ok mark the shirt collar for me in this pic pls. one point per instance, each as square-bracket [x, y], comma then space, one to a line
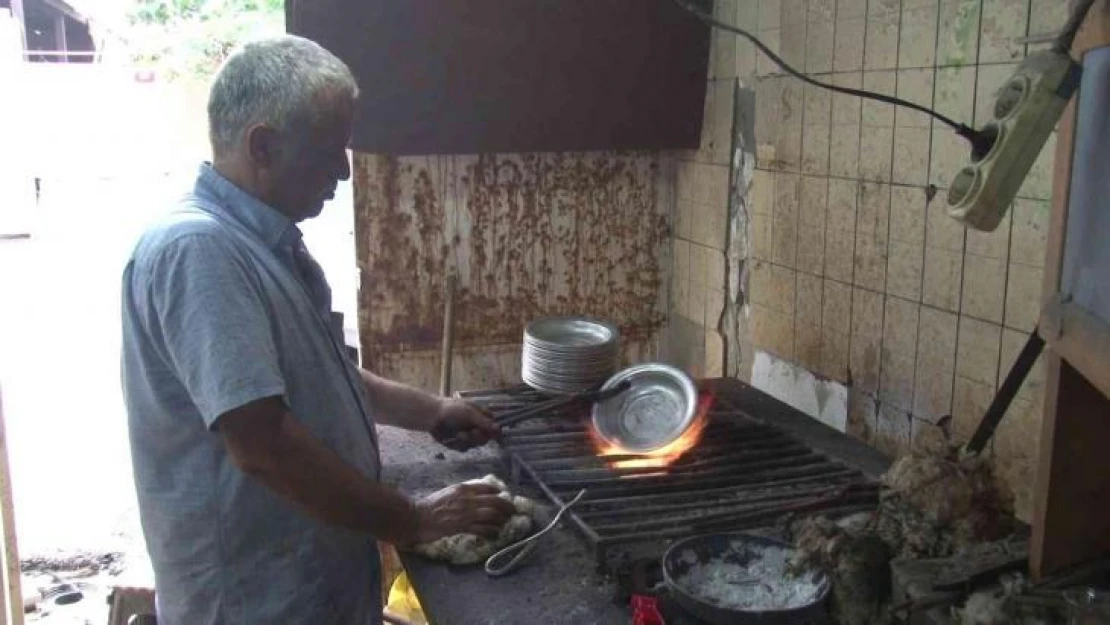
[273, 228]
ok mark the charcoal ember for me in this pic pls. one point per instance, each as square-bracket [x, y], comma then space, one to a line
[908, 532]
[858, 565]
[937, 503]
[953, 490]
[861, 581]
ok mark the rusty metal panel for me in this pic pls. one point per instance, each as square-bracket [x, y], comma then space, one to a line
[528, 235]
[483, 76]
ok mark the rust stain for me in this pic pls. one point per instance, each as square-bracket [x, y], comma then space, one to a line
[529, 235]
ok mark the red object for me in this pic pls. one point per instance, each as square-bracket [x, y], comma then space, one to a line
[645, 611]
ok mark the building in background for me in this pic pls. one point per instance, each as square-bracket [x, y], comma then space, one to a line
[52, 31]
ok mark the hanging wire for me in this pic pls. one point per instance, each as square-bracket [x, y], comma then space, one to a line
[1071, 28]
[979, 142]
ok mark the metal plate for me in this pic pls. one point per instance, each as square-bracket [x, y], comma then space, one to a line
[653, 413]
[572, 334]
[569, 354]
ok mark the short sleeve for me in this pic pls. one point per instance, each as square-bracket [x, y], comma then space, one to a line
[208, 305]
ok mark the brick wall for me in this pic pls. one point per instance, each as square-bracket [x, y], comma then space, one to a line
[848, 265]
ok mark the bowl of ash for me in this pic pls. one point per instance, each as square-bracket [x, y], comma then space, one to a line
[733, 578]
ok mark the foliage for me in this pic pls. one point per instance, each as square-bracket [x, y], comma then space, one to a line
[188, 39]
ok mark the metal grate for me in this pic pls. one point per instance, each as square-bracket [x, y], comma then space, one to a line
[742, 475]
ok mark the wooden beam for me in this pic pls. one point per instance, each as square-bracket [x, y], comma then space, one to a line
[1079, 337]
[60, 36]
[1071, 522]
[12, 592]
[1071, 515]
[21, 21]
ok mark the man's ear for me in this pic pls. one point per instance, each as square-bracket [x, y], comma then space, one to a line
[263, 145]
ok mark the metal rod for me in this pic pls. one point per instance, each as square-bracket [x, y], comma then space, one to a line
[713, 440]
[586, 530]
[739, 468]
[684, 468]
[512, 392]
[740, 522]
[702, 504]
[698, 494]
[740, 512]
[1006, 393]
[639, 486]
[569, 456]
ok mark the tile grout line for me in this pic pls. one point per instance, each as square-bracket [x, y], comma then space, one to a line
[825, 213]
[855, 218]
[798, 186]
[1009, 239]
[889, 194]
[963, 259]
[925, 214]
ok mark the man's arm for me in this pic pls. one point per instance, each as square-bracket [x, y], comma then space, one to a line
[399, 405]
[200, 297]
[453, 422]
[268, 443]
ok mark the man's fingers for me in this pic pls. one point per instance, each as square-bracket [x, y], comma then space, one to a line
[460, 442]
[497, 504]
[480, 489]
[483, 421]
[489, 531]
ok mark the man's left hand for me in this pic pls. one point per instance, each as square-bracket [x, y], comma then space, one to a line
[461, 426]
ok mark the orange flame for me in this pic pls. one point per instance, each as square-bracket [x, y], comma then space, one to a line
[664, 456]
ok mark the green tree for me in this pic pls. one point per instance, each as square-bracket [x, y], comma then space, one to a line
[188, 39]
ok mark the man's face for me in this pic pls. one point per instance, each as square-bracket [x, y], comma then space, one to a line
[305, 176]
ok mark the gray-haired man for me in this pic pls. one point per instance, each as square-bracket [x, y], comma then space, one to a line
[252, 435]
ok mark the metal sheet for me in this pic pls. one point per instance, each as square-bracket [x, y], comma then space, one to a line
[529, 236]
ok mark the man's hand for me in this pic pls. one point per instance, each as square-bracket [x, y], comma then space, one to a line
[460, 425]
[461, 509]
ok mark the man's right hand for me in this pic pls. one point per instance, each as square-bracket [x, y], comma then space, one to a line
[461, 509]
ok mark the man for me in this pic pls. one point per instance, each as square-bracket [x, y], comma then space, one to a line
[252, 434]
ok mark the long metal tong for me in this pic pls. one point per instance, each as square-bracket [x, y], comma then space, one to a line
[531, 412]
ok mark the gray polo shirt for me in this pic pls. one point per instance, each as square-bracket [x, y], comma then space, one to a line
[222, 306]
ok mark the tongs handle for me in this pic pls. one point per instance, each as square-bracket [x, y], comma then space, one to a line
[525, 414]
[518, 551]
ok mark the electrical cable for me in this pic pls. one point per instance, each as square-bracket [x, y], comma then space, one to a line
[1071, 28]
[979, 142]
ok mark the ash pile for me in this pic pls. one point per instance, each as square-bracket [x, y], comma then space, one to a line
[942, 547]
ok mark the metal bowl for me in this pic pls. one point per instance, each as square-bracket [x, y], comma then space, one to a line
[653, 413]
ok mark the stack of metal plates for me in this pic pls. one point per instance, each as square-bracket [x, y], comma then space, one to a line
[569, 354]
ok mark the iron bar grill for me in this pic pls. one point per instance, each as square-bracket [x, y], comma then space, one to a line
[743, 474]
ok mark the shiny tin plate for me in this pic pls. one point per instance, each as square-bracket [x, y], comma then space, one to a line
[562, 355]
[653, 413]
[572, 334]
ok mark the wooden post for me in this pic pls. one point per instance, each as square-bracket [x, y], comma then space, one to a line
[12, 613]
[448, 334]
[60, 37]
[1071, 516]
[21, 22]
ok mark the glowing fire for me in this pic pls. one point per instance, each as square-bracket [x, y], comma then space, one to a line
[664, 456]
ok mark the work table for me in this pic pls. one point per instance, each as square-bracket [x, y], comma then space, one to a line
[560, 583]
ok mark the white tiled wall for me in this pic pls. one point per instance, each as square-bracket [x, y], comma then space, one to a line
[854, 270]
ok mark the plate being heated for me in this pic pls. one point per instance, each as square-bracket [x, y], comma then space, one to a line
[654, 412]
